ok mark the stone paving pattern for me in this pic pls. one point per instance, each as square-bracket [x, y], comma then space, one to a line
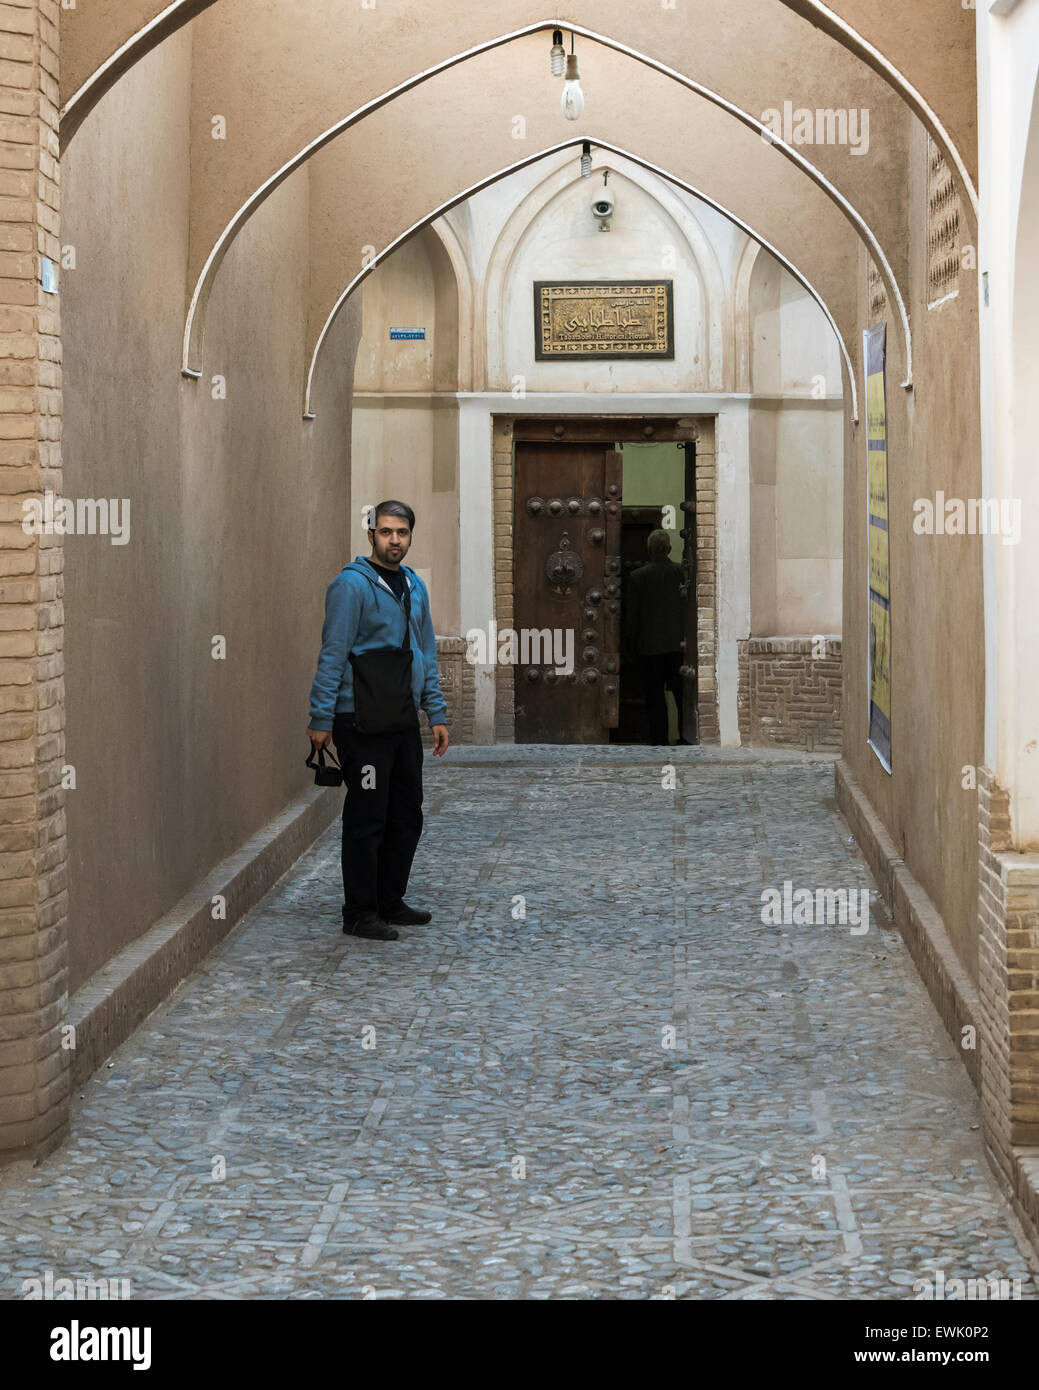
[516, 1126]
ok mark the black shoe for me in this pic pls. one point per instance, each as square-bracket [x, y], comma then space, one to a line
[405, 916]
[371, 928]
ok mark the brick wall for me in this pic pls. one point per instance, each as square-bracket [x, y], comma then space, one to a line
[458, 683]
[1008, 977]
[33, 954]
[707, 596]
[993, 837]
[504, 607]
[788, 697]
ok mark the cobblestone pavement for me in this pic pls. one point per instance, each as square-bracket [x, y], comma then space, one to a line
[490, 1107]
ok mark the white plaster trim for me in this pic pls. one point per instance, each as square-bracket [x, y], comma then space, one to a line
[200, 293]
[134, 41]
[937, 303]
[741, 328]
[608, 403]
[465, 295]
[308, 410]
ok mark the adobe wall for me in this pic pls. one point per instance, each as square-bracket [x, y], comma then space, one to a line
[234, 506]
[937, 604]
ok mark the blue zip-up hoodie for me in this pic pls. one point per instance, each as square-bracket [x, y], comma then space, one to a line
[361, 613]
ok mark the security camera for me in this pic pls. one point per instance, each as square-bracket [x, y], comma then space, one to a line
[602, 209]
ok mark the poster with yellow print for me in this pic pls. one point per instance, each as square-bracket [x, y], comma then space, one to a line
[879, 578]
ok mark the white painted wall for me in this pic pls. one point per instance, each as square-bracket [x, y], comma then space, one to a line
[565, 243]
[1008, 253]
[796, 461]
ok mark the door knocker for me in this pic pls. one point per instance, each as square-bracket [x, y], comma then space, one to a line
[564, 567]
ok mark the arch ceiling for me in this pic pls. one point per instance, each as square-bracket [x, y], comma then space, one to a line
[740, 175]
[226, 173]
[756, 240]
[924, 51]
[445, 144]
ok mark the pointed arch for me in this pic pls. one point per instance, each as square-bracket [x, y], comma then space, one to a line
[194, 325]
[538, 198]
[138, 43]
[741, 313]
[451, 243]
[82, 101]
[308, 410]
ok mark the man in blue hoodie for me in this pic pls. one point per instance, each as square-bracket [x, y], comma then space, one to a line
[365, 609]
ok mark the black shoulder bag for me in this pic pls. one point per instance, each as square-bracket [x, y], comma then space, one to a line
[383, 702]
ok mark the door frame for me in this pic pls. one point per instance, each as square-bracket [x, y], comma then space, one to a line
[607, 430]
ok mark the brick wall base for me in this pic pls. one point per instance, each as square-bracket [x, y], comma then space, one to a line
[789, 696]
[998, 1014]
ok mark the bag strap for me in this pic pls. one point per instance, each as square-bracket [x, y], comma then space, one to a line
[406, 644]
[320, 757]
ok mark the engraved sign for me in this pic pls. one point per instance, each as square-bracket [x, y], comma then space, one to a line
[603, 318]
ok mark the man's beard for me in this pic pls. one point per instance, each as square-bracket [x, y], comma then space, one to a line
[388, 556]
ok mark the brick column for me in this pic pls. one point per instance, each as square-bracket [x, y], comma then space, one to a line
[1008, 979]
[505, 676]
[707, 594]
[34, 1071]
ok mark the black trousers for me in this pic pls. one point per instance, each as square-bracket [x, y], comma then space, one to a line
[659, 674]
[382, 815]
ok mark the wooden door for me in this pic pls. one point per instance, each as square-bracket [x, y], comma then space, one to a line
[566, 537]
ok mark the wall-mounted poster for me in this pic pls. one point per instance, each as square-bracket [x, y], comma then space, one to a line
[603, 318]
[879, 593]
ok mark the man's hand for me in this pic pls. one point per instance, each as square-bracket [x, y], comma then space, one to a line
[441, 738]
[320, 738]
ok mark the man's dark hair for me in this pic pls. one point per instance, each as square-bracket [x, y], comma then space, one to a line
[658, 544]
[392, 508]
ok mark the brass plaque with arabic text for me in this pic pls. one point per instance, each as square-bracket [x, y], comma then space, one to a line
[607, 319]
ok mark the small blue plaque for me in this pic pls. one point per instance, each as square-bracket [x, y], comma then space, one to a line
[417, 333]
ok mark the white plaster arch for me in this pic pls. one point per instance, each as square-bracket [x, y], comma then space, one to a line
[741, 313]
[447, 233]
[193, 328]
[851, 39]
[79, 105]
[537, 200]
[179, 12]
[574, 141]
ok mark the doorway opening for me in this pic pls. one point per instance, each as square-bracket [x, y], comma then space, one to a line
[586, 495]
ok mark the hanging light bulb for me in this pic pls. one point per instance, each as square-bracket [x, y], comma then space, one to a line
[558, 53]
[586, 160]
[573, 98]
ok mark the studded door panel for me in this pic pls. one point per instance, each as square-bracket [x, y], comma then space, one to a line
[567, 574]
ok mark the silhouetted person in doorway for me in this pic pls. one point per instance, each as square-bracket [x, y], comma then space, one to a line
[370, 606]
[655, 623]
